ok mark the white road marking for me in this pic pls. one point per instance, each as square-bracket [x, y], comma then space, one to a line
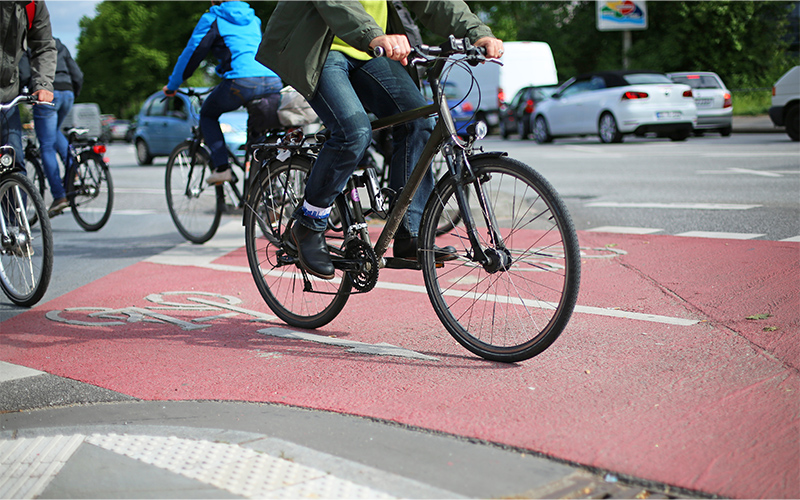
[793, 239]
[9, 371]
[720, 235]
[624, 230]
[380, 349]
[680, 206]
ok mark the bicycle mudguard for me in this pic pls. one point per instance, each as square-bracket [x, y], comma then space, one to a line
[488, 154]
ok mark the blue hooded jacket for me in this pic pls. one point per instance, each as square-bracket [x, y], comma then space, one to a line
[232, 32]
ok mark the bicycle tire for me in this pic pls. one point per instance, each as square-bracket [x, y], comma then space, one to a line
[90, 191]
[35, 174]
[296, 297]
[514, 314]
[195, 207]
[26, 256]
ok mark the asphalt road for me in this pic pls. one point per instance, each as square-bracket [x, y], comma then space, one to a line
[660, 379]
[743, 186]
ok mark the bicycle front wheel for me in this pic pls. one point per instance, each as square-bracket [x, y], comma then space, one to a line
[296, 297]
[26, 255]
[90, 191]
[195, 206]
[515, 304]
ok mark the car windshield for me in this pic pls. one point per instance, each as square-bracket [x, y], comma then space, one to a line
[646, 78]
[698, 81]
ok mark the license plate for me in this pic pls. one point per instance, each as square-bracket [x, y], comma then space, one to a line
[668, 115]
[703, 103]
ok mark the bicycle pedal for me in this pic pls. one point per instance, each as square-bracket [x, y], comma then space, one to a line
[397, 263]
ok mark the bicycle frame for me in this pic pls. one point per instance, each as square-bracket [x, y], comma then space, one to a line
[444, 136]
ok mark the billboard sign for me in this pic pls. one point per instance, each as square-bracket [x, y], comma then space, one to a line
[621, 15]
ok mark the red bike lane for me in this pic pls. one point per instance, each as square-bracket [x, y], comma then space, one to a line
[659, 375]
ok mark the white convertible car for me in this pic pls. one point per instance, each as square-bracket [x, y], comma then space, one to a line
[613, 103]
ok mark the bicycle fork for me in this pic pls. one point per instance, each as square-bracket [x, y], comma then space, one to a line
[496, 257]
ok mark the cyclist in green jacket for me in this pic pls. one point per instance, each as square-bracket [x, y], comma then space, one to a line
[322, 49]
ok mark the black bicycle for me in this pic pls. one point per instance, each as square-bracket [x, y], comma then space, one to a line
[26, 238]
[513, 285]
[87, 182]
[195, 206]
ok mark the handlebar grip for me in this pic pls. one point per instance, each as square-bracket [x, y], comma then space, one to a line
[378, 51]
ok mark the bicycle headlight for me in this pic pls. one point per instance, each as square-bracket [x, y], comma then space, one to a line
[6, 158]
[478, 129]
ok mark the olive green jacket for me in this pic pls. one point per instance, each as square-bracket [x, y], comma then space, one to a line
[14, 33]
[299, 34]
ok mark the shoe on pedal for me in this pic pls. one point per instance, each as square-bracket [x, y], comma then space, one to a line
[220, 177]
[313, 251]
[57, 207]
[407, 248]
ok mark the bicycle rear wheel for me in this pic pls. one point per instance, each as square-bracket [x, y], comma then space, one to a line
[195, 206]
[26, 255]
[514, 308]
[90, 191]
[296, 297]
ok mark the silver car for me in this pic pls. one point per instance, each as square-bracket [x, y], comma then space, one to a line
[713, 100]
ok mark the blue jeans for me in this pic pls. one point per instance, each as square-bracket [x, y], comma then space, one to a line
[346, 87]
[11, 133]
[228, 96]
[47, 121]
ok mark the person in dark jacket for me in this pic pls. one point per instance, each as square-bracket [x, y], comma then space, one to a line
[20, 23]
[321, 49]
[231, 31]
[47, 122]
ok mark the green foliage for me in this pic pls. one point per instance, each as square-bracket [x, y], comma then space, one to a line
[129, 48]
[744, 42]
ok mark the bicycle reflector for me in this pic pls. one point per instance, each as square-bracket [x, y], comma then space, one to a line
[99, 148]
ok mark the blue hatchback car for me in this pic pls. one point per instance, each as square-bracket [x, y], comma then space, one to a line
[461, 110]
[163, 123]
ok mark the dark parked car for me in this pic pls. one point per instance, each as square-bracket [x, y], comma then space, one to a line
[515, 117]
[163, 123]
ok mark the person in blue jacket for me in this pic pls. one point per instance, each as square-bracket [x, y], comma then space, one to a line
[231, 31]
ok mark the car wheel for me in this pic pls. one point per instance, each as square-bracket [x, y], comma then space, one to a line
[793, 122]
[504, 133]
[608, 130]
[143, 156]
[725, 132]
[680, 135]
[523, 127]
[540, 131]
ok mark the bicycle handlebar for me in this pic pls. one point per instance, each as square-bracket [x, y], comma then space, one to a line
[23, 98]
[422, 55]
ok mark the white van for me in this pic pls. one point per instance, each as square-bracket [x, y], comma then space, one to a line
[524, 64]
[785, 110]
[84, 115]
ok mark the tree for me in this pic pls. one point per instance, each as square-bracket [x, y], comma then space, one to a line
[744, 42]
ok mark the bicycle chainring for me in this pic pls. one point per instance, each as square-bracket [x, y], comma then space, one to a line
[366, 277]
